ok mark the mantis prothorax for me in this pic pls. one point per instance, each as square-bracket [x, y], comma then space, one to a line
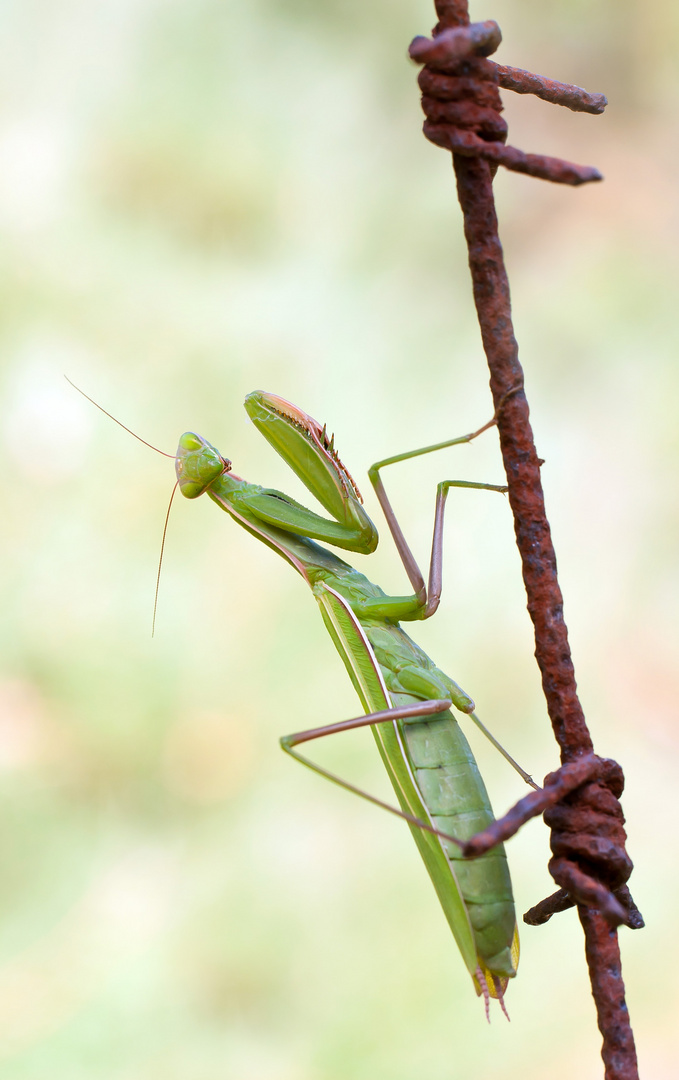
[406, 698]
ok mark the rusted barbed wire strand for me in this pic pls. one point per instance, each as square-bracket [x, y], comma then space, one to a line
[558, 93]
[580, 801]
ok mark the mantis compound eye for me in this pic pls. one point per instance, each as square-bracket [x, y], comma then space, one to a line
[189, 441]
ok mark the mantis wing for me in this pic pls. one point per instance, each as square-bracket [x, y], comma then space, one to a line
[359, 659]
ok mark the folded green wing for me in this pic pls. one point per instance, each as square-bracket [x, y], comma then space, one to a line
[353, 646]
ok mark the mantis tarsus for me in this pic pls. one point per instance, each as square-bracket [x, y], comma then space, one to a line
[406, 698]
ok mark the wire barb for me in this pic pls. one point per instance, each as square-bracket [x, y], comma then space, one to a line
[556, 93]
[473, 86]
[462, 104]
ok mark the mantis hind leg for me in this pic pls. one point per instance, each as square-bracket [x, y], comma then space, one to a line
[405, 712]
[499, 747]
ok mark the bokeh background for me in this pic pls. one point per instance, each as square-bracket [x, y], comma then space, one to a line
[203, 197]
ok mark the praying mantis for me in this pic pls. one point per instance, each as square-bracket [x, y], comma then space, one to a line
[406, 698]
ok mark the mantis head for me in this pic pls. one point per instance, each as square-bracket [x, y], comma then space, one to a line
[197, 464]
[308, 450]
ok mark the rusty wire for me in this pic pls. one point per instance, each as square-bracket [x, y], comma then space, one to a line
[580, 801]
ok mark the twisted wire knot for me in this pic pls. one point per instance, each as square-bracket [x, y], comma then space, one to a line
[462, 105]
[467, 100]
[589, 860]
[580, 804]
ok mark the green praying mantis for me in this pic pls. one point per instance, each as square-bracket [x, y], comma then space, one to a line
[406, 698]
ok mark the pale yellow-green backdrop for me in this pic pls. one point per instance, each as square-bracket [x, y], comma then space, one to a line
[203, 197]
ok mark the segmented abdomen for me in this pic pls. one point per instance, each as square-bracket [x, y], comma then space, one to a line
[453, 791]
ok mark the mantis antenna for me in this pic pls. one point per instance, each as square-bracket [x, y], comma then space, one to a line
[160, 560]
[118, 422]
[167, 515]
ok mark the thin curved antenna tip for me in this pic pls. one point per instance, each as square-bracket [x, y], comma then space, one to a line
[118, 422]
[160, 560]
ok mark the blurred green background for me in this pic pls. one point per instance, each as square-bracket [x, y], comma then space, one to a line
[202, 198]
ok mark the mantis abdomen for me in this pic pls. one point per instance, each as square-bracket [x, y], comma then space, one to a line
[434, 774]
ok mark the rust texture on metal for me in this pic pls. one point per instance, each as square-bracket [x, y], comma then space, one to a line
[561, 900]
[470, 125]
[557, 93]
[551, 905]
[457, 43]
[608, 990]
[556, 786]
[580, 801]
[540, 166]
